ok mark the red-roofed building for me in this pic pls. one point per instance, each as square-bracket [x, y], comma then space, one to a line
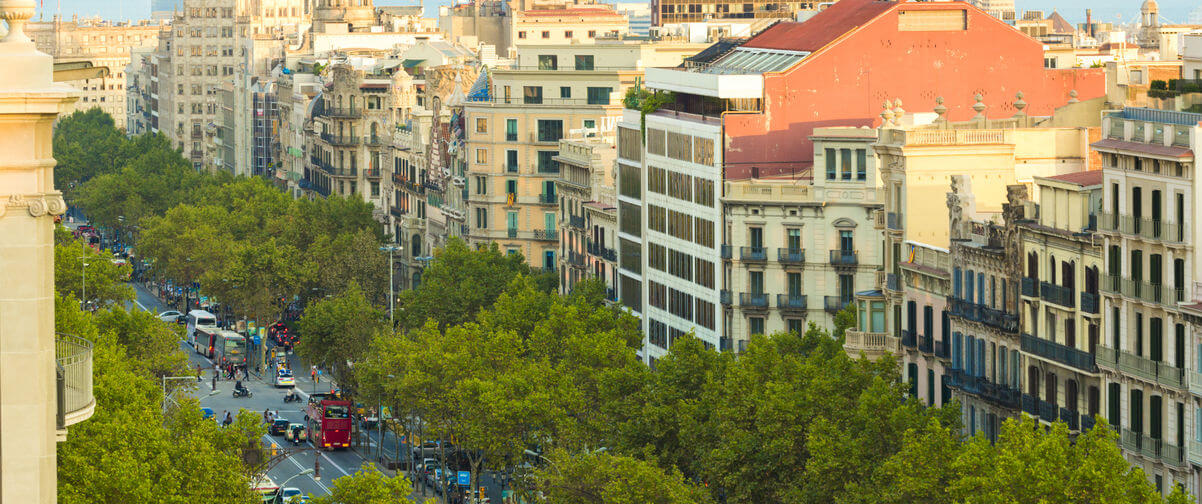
[839, 66]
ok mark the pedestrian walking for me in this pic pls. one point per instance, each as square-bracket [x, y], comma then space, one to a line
[313, 373]
[229, 419]
[198, 373]
[267, 416]
[214, 379]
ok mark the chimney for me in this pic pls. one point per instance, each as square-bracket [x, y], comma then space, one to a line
[1089, 22]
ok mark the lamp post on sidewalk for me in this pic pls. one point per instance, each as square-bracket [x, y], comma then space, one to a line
[391, 249]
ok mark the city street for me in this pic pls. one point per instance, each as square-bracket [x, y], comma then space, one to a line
[265, 396]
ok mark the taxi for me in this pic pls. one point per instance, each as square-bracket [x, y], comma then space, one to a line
[284, 378]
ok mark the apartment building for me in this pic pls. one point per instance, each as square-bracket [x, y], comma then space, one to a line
[797, 250]
[1061, 260]
[295, 92]
[586, 189]
[201, 51]
[137, 92]
[102, 44]
[1145, 355]
[665, 12]
[982, 311]
[987, 156]
[514, 128]
[506, 26]
[349, 134]
[925, 273]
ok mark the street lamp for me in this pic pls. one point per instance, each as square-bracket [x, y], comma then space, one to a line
[306, 472]
[391, 249]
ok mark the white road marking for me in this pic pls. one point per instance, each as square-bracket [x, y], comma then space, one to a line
[298, 466]
[335, 464]
[140, 305]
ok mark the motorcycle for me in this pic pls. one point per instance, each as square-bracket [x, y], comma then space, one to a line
[291, 398]
[243, 393]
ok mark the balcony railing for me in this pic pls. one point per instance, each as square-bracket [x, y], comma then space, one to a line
[942, 351]
[1030, 405]
[791, 255]
[1058, 294]
[1030, 287]
[339, 140]
[343, 113]
[1070, 417]
[575, 258]
[1063, 354]
[909, 339]
[753, 300]
[511, 233]
[726, 252]
[1087, 422]
[546, 234]
[984, 314]
[872, 344]
[1047, 411]
[724, 296]
[840, 257]
[790, 302]
[576, 221]
[1089, 302]
[891, 282]
[832, 304]
[1143, 227]
[1142, 367]
[547, 199]
[980, 386]
[73, 373]
[753, 253]
[925, 343]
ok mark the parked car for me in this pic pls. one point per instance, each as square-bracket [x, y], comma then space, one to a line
[279, 427]
[170, 316]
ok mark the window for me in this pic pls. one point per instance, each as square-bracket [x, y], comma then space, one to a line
[794, 239]
[599, 95]
[511, 161]
[845, 163]
[629, 180]
[546, 34]
[550, 130]
[567, 34]
[481, 125]
[481, 185]
[481, 156]
[521, 35]
[829, 155]
[511, 130]
[592, 33]
[796, 326]
[846, 242]
[482, 218]
[511, 187]
[861, 164]
[583, 61]
[756, 325]
[532, 95]
[565, 92]
[590, 124]
[547, 163]
[630, 260]
[630, 219]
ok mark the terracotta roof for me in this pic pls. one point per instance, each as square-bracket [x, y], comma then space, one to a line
[1143, 148]
[1081, 178]
[822, 29]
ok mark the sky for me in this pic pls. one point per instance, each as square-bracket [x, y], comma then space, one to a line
[1175, 11]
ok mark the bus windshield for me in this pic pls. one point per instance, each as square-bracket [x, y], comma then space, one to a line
[234, 346]
[206, 322]
[337, 412]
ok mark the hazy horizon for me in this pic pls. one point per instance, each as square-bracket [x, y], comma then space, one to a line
[1172, 11]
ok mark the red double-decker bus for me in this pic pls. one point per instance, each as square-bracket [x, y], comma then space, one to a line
[329, 421]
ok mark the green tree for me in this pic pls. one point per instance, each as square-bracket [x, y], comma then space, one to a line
[258, 279]
[338, 331]
[367, 486]
[105, 280]
[458, 283]
[603, 478]
[86, 144]
[151, 345]
[337, 261]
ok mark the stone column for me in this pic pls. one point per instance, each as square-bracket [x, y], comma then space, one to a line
[29, 103]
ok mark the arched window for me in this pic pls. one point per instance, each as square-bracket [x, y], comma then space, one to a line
[1033, 266]
[353, 102]
[416, 245]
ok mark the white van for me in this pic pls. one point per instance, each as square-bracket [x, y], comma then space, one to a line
[199, 318]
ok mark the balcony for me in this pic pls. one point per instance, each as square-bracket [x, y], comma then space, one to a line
[547, 199]
[73, 380]
[1142, 367]
[576, 221]
[1030, 405]
[790, 302]
[574, 258]
[942, 351]
[1047, 411]
[1058, 294]
[992, 317]
[925, 344]
[979, 386]
[546, 234]
[726, 252]
[372, 173]
[1087, 422]
[1143, 227]
[397, 212]
[753, 300]
[1063, 354]
[1070, 417]
[1089, 302]
[833, 304]
[724, 296]
[753, 253]
[339, 140]
[511, 233]
[871, 344]
[343, 113]
[893, 221]
[1030, 287]
[891, 282]
[791, 255]
[840, 257]
[373, 140]
[909, 339]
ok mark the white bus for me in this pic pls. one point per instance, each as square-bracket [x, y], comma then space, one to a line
[199, 318]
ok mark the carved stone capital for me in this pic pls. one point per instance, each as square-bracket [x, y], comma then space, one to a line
[37, 205]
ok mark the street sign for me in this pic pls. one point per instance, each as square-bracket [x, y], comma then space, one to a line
[465, 478]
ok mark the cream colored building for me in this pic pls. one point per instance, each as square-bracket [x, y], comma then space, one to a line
[1061, 265]
[202, 51]
[102, 44]
[36, 364]
[586, 190]
[506, 25]
[512, 135]
[798, 250]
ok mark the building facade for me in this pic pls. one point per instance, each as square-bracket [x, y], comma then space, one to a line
[586, 169]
